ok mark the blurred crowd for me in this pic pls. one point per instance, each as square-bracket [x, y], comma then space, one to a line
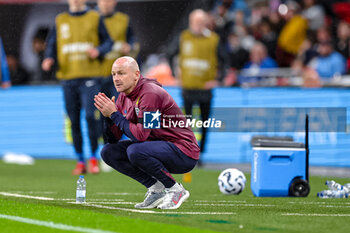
[305, 38]
[266, 43]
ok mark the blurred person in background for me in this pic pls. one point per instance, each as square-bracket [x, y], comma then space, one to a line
[243, 31]
[18, 75]
[328, 63]
[342, 42]
[259, 60]
[238, 57]
[39, 46]
[201, 64]
[268, 37]
[226, 14]
[307, 54]
[309, 49]
[275, 20]
[5, 80]
[314, 14]
[292, 35]
[120, 31]
[222, 18]
[77, 41]
[323, 34]
[260, 10]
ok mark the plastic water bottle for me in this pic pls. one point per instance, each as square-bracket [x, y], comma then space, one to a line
[332, 185]
[347, 186]
[325, 194]
[81, 190]
[340, 194]
[332, 194]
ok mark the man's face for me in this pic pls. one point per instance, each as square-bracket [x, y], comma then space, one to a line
[124, 77]
[197, 24]
[75, 5]
[106, 6]
[257, 54]
[38, 45]
[325, 49]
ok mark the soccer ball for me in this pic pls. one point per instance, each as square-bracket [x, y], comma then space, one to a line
[231, 181]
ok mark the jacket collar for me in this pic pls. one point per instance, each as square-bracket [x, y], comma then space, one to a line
[134, 93]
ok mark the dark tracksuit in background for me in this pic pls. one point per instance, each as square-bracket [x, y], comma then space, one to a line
[201, 59]
[80, 75]
[120, 31]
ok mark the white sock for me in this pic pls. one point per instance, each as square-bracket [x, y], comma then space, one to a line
[176, 187]
[157, 187]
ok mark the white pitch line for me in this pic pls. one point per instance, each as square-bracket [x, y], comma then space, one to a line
[33, 192]
[219, 201]
[334, 206]
[113, 203]
[16, 194]
[157, 212]
[27, 196]
[117, 208]
[316, 215]
[59, 226]
[96, 199]
[215, 204]
[120, 194]
[317, 203]
[93, 200]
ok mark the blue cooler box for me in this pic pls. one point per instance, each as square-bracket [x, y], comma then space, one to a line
[276, 165]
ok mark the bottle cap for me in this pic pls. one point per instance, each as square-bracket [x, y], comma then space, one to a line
[81, 176]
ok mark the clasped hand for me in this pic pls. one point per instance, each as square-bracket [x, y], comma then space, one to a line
[104, 104]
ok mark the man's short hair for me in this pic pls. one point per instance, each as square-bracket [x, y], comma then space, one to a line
[41, 33]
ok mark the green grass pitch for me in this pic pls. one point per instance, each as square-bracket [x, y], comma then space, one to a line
[40, 198]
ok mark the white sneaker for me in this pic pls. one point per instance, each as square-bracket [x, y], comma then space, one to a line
[174, 197]
[154, 197]
[152, 200]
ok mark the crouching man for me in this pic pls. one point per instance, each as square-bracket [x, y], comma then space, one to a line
[156, 148]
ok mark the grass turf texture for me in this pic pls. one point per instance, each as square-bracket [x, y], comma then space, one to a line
[52, 178]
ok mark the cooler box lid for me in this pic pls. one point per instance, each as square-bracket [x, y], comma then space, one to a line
[275, 143]
[255, 138]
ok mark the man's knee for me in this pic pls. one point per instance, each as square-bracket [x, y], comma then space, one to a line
[106, 153]
[134, 153]
[111, 152]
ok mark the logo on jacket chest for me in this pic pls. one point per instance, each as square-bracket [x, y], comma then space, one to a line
[187, 47]
[137, 110]
[65, 31]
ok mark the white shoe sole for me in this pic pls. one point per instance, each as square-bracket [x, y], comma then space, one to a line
[182, 200]
[153, 205]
